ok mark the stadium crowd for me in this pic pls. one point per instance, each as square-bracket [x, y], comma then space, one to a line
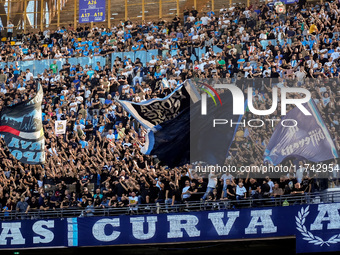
[98, 162]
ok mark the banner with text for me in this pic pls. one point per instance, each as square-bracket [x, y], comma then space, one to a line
[92, 11]
[316, 227]
[21, 128]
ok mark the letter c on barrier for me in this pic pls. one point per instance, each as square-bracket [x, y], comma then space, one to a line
[98, 230]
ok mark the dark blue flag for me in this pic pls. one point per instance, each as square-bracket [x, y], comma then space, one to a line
[21, 128]
[191, 137]
[156, 111]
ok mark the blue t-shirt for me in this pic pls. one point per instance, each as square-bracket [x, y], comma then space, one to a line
[16, 70]
[158, 75]
[90, 73]
[83, 143]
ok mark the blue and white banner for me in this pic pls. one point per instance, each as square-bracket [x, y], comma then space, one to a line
[21, 128]
[289, 1]
[316, 228]
[302, 136]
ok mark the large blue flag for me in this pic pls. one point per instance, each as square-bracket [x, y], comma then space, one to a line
[309, 139]
[192, 137]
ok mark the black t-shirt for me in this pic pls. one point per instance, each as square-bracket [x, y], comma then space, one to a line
[121, 79]
[274, 75]
[73, 144]
[231, 190]
[291, 182]
[96, 106]
[161, 194]
[89, 128]
[69, 179]
[119, 190]
[88, 195]
[94, 81]
[67, 67]
[113, 88]
[265, 188]
[101, 93]
[297, 190]
[201, 187]
[28, 179]
[182, 181]
[178, 194]
[153, 192]
[194, 196]
[109, 193]
[254, 185]
[282, 184]
[305, 184]
[34, 205]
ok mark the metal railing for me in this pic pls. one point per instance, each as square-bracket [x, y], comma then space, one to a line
[191, 206]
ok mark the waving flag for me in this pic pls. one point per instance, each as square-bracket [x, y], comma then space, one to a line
[156, 111]
[21, 128]
[191, 137]
[310, 139]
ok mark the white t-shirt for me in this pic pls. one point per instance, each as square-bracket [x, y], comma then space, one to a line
[185, 189]
[126, 88]
[271, 185]
[79, 99]
[134, 202]
[110, 136]
[263, 36]
[87, 93]
[149, 37]
[73, 106]
[152, 62]
[300, 75]
[247, 14]
[205, 20]
[10, 28]
[225, 177]
[240, 191]
[28, 76]
[194, 37]
[212, 181]
[191, 18]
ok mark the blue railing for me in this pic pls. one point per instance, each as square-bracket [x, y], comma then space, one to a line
[38, 66]
[146, 56]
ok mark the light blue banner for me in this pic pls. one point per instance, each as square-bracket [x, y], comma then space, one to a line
[39, 66]
[141, 55]
[151, 53]
[130, 54]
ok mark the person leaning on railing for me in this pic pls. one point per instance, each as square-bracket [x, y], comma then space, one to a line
[277, 191]
[241, 192]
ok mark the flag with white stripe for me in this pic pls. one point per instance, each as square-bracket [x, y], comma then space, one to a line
[21, 128]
